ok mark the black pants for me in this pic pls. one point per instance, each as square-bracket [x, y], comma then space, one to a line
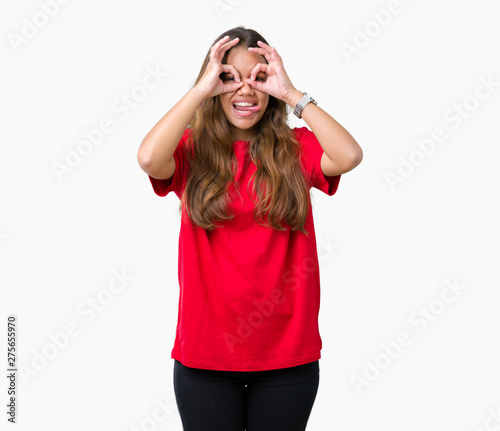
[271, 400]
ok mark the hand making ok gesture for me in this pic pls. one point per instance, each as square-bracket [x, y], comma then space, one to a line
[278, 83]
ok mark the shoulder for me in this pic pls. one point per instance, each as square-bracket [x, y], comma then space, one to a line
[310, 146]
[185, 142]
[186, 136]
[303, 134]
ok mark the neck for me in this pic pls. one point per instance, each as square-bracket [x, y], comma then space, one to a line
[242, 135]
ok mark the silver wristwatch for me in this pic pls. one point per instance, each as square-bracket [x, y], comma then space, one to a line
[302, 104]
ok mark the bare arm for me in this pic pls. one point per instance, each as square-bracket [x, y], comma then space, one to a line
[341, 152]
[155, 155]
[156, 152]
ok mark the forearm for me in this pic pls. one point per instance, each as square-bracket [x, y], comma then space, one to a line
[158, 147]
[337, 142]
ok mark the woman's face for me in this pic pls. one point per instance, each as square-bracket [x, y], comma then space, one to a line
[236, 104]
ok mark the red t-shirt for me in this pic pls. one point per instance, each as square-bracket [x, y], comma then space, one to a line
[249, 295]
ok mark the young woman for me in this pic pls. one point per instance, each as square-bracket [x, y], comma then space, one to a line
[247, 345]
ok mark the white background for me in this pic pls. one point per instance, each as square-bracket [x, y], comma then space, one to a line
[392, 250]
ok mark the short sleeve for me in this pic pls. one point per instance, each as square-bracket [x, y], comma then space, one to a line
[311, 159]
[178, 180]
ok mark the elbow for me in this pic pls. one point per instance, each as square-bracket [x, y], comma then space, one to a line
[145, 154]
[357, 158]
[144, 159]
[353, 160]
[356, 155]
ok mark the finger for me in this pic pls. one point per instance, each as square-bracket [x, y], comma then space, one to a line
[271, 49]
[229, 68]
[259, 67]
[265, 46]
[216, 45]
[257, 85]
[269, 53]
[261, 51]
[257, 50]
[233, 86]
[229, 44]
[225, 47]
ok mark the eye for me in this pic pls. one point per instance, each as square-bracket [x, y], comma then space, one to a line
[262, 78]
[227, 78]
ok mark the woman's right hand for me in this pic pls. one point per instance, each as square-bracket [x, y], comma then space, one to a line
[210, 84]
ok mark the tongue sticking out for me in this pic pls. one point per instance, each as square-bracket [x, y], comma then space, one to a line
[253, 108]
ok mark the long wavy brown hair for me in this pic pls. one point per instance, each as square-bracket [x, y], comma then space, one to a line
[280, 190]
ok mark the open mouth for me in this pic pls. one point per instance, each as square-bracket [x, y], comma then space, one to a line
[244, 109]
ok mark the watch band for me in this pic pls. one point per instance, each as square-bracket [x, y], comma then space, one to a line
[302, 104]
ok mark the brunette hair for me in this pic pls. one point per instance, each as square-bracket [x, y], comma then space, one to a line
[279, 184]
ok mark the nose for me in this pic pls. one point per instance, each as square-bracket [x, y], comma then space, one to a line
[246, 89]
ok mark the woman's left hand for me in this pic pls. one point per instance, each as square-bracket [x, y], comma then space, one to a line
[278, 83]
